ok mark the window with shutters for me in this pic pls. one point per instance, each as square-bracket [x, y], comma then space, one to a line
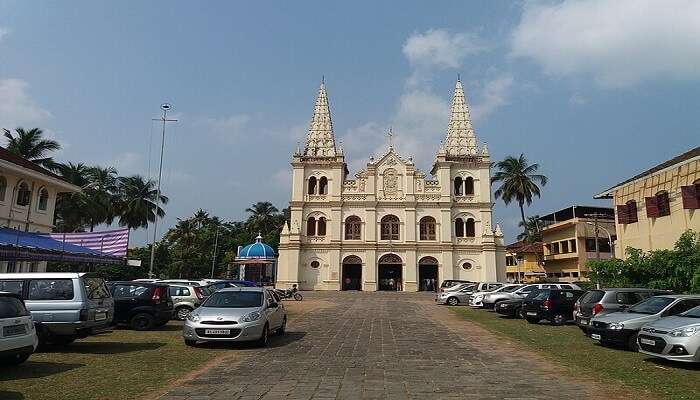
[427, 228]
[691, 196]
[663, 203]
[353, 226]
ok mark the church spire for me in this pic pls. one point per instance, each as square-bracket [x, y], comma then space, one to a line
[320, 141]
[460, 139]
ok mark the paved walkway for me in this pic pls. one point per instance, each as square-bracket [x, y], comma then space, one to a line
[384, 346]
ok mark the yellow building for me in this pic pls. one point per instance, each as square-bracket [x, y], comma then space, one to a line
[655, 207]
[569, 237]
[524, 262]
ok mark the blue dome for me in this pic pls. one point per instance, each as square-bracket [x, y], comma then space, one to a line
[257, 250]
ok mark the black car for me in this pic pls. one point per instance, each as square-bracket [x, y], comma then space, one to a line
[554, 305]
[514, 308]
[141, 305]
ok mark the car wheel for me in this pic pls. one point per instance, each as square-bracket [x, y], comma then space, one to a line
[282, 329]
[558, 319]
[453, 301]
[190, 342]
[182, 313]
[532, 320]
[298, 297]
[632, 343]
[61, 340]
[16, 359]
[262, 342]
[141, 322]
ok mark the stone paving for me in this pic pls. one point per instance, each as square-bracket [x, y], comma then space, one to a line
[384, 346]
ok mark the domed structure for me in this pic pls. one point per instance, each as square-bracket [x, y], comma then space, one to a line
[256, 250]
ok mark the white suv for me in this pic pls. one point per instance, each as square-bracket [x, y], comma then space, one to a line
[18, 338]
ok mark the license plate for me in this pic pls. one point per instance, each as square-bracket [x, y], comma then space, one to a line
[595, 336]
[583, 321]
[14, 330]
[100, 316]
[647, 341]
[532, 314]
[217, 331]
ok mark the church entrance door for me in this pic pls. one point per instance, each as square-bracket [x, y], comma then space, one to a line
[390, 273]
[427, 274]
[352, 273]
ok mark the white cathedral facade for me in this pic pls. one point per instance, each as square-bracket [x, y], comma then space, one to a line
[391, 227]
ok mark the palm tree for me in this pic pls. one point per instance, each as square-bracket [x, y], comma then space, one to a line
[30, 144]
[518, 182]
[531, 230]
[263, 218]
[138, 200]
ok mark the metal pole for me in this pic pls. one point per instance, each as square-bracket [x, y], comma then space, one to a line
[216, 243]
[165, 107]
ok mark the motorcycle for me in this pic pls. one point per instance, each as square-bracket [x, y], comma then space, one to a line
[292, 293]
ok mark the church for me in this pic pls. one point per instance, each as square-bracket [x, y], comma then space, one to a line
[390, 227]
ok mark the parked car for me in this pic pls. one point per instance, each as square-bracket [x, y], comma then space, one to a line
[675, 338]
[452, 282]
[65, 306]
[514, 308]
[490, 300]
[622, 327]
[604, 301]
[141, 305]
[236, 314]
[18, 339]
[553, 305]
[187, 297]
[476, 297]
[221, 284]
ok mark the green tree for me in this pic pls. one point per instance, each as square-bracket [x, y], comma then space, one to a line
[138, 203]
[519, 182]
[32, 145]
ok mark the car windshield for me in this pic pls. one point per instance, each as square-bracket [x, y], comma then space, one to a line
[652, 305]
[234, 300]
[692, 313]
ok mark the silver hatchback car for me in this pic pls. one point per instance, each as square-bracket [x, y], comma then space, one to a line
[236, 315]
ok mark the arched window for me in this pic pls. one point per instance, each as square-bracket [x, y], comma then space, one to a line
[323, 185]
[43, 199]
[3, 188]
[23, 194]
[469, 228]
[469, 186]
[427, 228]
[663, 203]
[311, 227]
[458, 186]
[459, 227]
[390, 228]
[353, 228]
[312, 185]
[321, 229]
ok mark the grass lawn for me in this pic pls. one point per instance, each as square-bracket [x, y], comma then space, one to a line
[123, 364]
[568, 345]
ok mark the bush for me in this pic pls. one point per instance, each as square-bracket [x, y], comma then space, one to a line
[677, 270]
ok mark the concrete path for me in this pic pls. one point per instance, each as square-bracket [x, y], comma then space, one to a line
[385, 346]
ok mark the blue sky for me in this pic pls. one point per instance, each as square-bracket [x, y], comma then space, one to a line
[594, 91]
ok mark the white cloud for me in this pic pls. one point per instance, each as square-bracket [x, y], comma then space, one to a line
[439, 48]
[494, 95]
[618, 42]
[17, 108]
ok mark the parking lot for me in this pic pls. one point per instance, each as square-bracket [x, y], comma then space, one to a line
[387, 346]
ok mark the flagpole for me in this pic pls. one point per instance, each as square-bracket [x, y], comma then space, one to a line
[165, 107]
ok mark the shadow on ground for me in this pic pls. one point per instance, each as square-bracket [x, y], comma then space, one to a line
[103, 347]
[33, 370]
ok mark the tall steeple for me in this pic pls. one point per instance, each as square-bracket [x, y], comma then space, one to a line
[460, 139]
[320, 141]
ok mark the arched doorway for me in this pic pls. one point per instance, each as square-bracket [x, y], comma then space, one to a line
[352, 273]
[428, 274]
[390, 273]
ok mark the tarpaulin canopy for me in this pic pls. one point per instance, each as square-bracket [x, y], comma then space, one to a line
[26, 246]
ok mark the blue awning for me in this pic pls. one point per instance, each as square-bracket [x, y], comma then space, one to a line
[26, 246]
